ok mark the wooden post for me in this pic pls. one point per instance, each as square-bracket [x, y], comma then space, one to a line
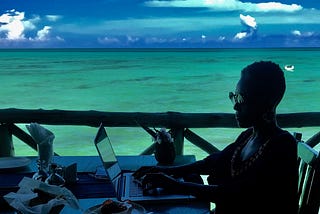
[6, 145]
[178, 136]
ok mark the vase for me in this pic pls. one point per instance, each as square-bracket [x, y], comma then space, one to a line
[165, 153]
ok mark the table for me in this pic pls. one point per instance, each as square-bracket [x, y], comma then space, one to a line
[174, 208]
[89, 164]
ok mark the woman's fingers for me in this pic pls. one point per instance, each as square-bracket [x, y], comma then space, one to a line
[154, 180]
[143, 171]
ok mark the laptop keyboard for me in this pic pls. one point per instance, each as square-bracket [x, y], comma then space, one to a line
[135, 187]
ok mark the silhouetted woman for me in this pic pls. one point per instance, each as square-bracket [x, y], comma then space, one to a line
[257, 173]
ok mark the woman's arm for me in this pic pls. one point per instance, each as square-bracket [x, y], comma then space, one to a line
[198, 167]
[156, 180]
[201, 191]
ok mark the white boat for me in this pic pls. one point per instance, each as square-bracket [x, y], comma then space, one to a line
[289, 67]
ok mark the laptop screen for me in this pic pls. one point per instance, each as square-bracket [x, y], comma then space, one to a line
[106, 153]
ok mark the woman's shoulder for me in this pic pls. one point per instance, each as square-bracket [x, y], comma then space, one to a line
[284, 139]
[285, 136]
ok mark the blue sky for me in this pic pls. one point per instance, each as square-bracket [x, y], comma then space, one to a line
[159, 23]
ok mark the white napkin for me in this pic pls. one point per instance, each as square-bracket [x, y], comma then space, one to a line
[40, 134]
[44, 138]
[21, 199]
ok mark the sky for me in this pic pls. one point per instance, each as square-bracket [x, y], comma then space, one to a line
[159, 23]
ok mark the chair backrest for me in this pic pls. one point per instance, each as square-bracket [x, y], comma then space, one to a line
[309, 179]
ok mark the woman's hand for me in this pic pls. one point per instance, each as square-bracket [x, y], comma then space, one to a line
[159, 180]
[145, 170]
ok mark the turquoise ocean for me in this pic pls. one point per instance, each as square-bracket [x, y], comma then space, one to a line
[145, 80]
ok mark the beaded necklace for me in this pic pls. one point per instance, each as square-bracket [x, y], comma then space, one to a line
[237, 169]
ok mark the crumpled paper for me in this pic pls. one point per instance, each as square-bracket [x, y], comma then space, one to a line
[20, 200]
[44, 139]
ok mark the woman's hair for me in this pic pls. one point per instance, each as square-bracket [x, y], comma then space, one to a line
[266, 81]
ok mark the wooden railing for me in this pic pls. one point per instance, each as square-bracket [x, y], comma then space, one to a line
[179, 123]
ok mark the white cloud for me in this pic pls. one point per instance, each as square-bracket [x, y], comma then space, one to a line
[132, 39]
[12, 25]
[296, 33]
[30, 24]
[309, 34]
[155, 40]
[227, 5]
[43, 34]
[59, 38]
[5, 18]
[221, 38]
[277, 6]
[109, 40]
[248, 21]
[53, 18]
[241, 35]
[251, 27]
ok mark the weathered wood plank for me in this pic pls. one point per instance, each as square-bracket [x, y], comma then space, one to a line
[129, 119]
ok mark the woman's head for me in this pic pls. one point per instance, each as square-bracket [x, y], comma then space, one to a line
[261, 87]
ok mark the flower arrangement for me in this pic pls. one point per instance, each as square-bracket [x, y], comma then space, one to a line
[162, 136]
[164, 152]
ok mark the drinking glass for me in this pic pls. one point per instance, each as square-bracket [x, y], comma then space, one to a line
[45, 154]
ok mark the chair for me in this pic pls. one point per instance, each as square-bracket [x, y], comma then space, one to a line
[309, 179]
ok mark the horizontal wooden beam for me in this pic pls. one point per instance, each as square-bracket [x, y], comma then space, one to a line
[117, 119]
[131, 119]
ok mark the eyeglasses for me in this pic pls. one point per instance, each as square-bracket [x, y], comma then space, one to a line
[236, 98]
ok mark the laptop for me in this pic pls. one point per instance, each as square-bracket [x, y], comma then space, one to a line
[125, 185]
